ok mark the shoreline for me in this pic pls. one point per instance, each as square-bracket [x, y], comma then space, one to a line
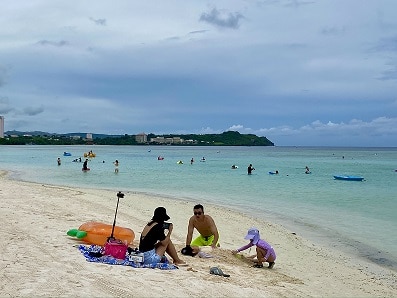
[39, 259]
[316, 234]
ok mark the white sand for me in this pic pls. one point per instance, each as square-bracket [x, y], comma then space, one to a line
[39, 259]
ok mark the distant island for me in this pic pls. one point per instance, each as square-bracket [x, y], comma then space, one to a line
[228, 138]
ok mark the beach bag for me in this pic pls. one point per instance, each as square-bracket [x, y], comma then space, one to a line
[116, 248]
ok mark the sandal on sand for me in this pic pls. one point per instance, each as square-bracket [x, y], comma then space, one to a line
[218, 271]
[258, 266]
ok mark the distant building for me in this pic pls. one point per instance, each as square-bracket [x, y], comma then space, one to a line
[89, 136]
[141, 138]
[1, 127]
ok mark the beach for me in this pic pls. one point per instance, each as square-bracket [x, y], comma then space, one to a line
[39, 259]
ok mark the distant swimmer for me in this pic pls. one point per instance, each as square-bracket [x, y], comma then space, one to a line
[192, 161]
[234, 167]
[307, 171]
[250, 169]
[59, 161]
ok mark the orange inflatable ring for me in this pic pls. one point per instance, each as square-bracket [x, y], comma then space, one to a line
[98, 233]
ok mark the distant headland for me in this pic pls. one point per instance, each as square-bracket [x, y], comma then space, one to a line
[227, 138]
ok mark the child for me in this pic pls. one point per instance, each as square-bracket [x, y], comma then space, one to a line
[264, 251]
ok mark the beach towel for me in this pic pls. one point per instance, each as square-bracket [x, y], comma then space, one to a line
[91, 253]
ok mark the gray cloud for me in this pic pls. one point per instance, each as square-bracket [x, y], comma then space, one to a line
[32, 111]
[3, 75]
[99, 22]
[329, 31]
[390, 74]
[297, 3]
[60, 43]
[216, 17]
[5, 106]
[198, 31]
[387, 44]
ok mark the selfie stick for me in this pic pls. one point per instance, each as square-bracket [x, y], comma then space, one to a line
[119, 195]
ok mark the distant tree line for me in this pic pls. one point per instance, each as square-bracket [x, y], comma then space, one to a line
[229, 138]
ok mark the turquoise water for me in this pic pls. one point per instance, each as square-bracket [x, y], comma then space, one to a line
[358, 217]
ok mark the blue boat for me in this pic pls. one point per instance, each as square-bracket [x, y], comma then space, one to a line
[67, 154]
[348, 177]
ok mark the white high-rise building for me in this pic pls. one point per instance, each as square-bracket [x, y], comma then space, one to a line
[1, 127]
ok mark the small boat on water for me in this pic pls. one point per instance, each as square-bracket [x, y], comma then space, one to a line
[67, 154]
[348, 177]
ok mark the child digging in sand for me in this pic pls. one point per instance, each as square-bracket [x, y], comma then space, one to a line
[264, 251]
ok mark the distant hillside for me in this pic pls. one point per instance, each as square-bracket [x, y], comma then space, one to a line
[228, 138]
[43, 133]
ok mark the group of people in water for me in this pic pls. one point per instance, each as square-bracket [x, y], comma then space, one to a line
[155, 240]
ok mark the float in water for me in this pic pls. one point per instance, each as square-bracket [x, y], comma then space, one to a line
[98, 233]
[348, 177]
[89, 154]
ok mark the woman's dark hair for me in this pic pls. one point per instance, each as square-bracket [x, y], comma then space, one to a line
[160, 215]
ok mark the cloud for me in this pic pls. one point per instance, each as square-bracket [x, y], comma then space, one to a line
[99, 22]
[198, 31]
[221, 19]
[381, 126]
[297, 3]
[390, 74]
[332, 31]
[3, 75]
[387, 44]
[60, 43]
[32, 111]
[5, 106]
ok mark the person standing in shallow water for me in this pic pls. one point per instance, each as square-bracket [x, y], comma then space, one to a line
[85, 168]
[116, 166]
[59, 161]
[250, 169]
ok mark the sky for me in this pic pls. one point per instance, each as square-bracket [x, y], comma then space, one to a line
[299, 72]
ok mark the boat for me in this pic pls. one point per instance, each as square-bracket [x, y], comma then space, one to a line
[67, 154]
[348, 177]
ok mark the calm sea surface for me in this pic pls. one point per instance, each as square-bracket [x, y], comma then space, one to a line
[358, 217]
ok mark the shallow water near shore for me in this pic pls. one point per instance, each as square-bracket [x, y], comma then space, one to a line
[358, 217]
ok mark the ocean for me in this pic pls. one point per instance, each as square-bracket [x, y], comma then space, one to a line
[357, 217]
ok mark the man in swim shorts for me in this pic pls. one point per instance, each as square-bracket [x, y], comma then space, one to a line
[205, 225]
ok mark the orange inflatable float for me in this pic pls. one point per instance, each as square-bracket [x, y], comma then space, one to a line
[98, 233]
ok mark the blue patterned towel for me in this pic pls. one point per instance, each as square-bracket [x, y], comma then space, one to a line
[89, 252]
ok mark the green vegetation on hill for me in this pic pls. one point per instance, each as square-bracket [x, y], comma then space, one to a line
[228, 138]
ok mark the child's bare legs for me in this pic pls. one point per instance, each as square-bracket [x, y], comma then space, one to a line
[260, 255]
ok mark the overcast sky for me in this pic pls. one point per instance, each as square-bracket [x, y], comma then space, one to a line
[300, 72]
